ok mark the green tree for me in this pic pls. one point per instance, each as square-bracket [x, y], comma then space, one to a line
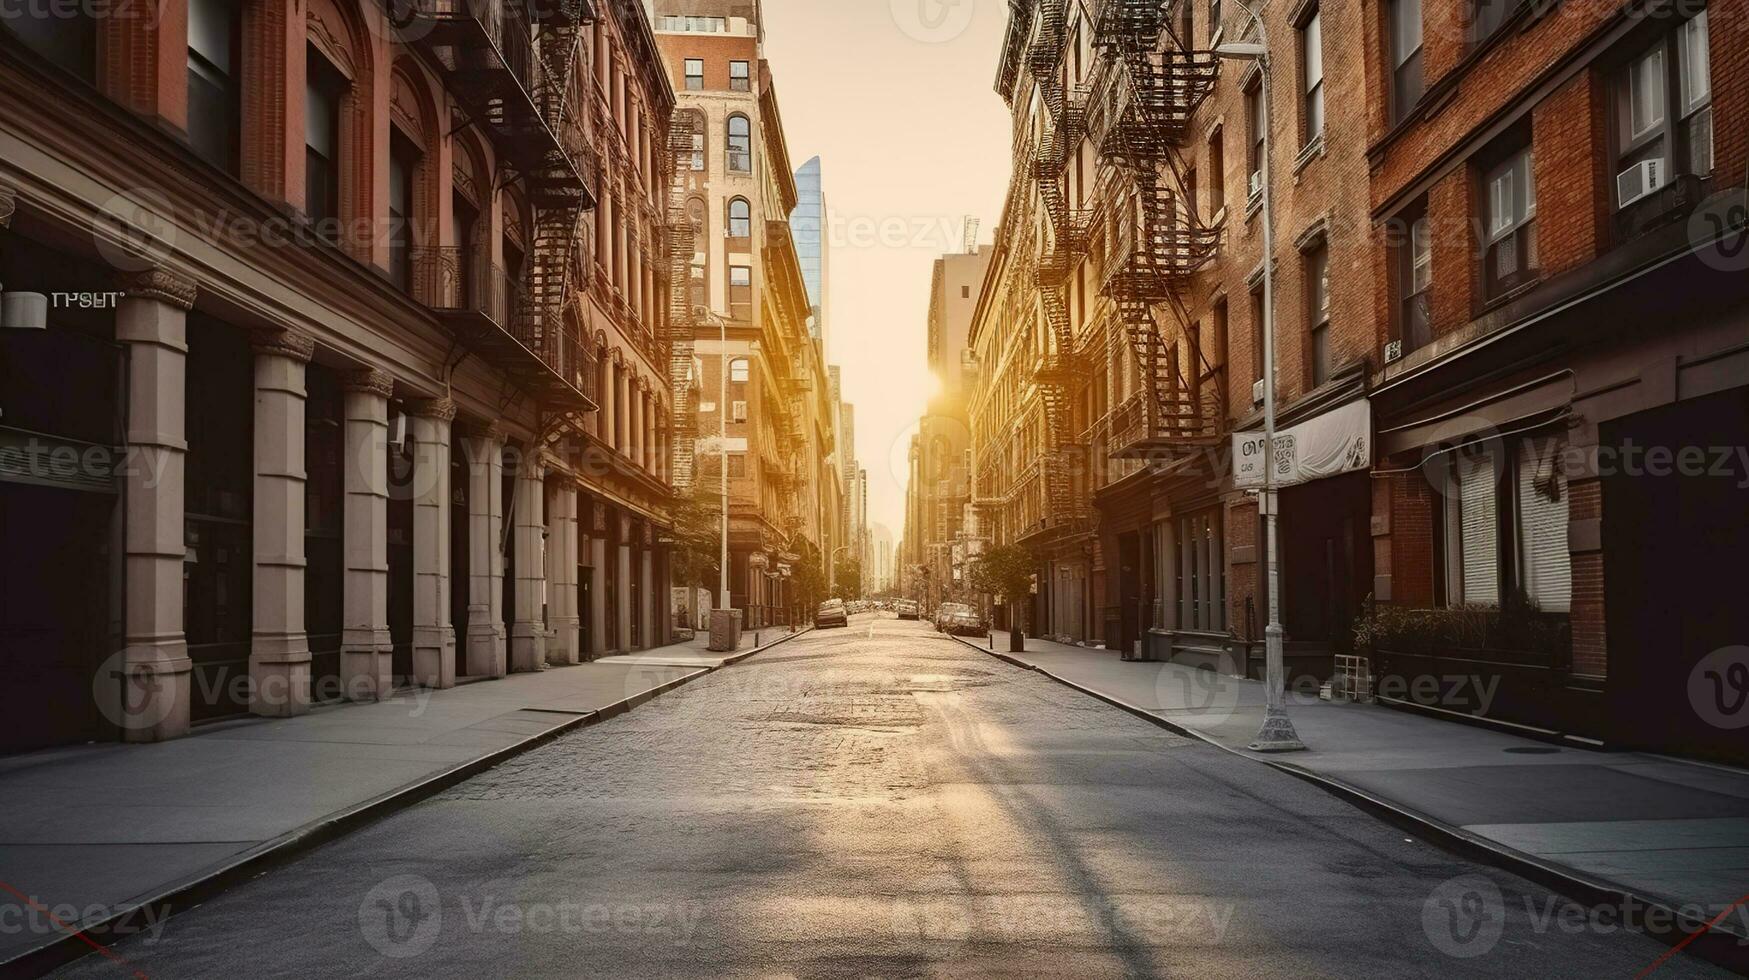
[1007, 573]
[849, 577]
[697, 534]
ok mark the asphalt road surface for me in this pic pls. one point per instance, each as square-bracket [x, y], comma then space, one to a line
[882, 801]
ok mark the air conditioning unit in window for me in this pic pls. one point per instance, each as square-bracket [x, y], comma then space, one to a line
[1393, 351]
[1256, 186]
[1257, 391]
[1639, 180]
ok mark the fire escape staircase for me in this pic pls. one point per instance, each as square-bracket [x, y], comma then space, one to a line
[1147, 89]
[682, 245]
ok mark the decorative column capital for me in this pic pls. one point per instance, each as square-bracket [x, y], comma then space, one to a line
[481, 429]
[284, 343]
[370, 381]
[163, 285]
[439, 409]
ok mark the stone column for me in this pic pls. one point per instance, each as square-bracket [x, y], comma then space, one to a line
[562, 617]
[487, 640]
[433, 633]
[152, 674]
[623, 574]
[597, 611]
[366, 649]
[622, 402]
[647, 601]
[635, 421]
[650, 443]
[607, 423]
[279, 650]
[527, 625]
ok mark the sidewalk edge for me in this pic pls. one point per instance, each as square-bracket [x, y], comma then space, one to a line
[205, 885]
[737, 658]
[1722, 946]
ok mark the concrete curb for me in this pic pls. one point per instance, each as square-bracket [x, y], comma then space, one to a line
[1721, 945]
[737, 658]
[191, 891]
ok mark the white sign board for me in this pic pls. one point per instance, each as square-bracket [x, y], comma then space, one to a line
[1338, 441]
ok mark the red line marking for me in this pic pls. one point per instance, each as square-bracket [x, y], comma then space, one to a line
[69, 930]
[1696, 934]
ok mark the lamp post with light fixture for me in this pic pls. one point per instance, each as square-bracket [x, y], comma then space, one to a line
[1277, 733]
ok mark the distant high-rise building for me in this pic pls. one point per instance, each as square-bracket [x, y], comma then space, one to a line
[808, 227]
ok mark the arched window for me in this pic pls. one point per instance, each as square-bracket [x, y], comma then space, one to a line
[740, 145]
[740, 218]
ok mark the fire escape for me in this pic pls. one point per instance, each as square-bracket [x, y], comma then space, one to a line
[681, 248]
[1058, 372]
[514, 76]
[1148, 84]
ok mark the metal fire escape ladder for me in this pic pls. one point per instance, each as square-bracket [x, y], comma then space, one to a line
[681, 248]
[1148, 89]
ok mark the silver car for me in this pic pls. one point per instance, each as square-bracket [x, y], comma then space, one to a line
[831, 613]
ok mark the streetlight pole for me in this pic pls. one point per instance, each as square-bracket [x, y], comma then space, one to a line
[722, 449]
[1277, 733]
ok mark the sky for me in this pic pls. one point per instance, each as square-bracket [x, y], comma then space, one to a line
[897, 98]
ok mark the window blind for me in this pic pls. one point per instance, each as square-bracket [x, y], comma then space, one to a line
[1542, 526]
[1477, 528]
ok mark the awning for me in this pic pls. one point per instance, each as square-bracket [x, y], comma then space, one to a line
[1336, 442]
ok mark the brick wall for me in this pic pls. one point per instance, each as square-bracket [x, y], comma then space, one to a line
[1569, 133]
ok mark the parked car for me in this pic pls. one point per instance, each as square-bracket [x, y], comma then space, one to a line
[831, 613]
[907, 609]
[959, 619]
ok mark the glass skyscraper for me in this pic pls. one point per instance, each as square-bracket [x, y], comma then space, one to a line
[808, 226]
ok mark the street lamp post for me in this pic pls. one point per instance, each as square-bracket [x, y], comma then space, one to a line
[723, 600]
[1277, 733]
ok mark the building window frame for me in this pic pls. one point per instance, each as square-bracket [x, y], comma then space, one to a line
[1509, 227]
[1670, 75]
[1404, 42]
[740, 218]
[1217, 165]
[1309, 36]
[740, 76]
[740, 144]
[1315, 261]
[215, 105]
[1257, 131]
[1412, 267]
[324, 88]
[693, 72]
[1507, 539]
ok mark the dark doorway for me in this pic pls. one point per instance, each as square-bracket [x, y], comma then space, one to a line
[218, 605]
[401, 488]
[1129, 584]
[1669, 541]
[460, 543]
[1326, 554]
[324, 522]
[508, 532]
[54, 614]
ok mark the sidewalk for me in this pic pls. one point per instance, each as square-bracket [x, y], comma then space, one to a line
[1657, 828]
[105, 829]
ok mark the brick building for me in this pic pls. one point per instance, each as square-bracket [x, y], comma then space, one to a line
[1565, 307]
[355, 334]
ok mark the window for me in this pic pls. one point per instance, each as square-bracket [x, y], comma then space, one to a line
[1509, 197]
[1312, 74]
[323, 85]
[1488, 16]
[965, 292]
[1190, 199]
[1217, 172]
[694, 74]
[1217, 340]
[740, 292]
[403, 164]
[740, 76]
[737, 411]
[740, 144]
[60, 33]
[1214, 19]
[213, 106]
[1201, 573]
[1664, 115]
[698, 152]
[1256, 119]
[740, 218]
[1414, 271]
[695, 25]
[1318, 311]
[1506, 524]
[738, 370]
[1407, 79]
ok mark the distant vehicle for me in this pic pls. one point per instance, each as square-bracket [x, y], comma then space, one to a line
[907, 609]
[831, 613]
[959, 619]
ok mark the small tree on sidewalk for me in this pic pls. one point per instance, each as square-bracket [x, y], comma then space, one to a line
[1006, 572]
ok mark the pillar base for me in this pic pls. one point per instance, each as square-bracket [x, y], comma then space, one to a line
[528, 648]
[487, 651]
[279, 676]
[434, 657]
[367, 665]
[147, 692]
[564, 645]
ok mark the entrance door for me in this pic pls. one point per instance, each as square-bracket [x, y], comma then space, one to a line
[1675, 610]
[54, 614]
[1326, 559]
